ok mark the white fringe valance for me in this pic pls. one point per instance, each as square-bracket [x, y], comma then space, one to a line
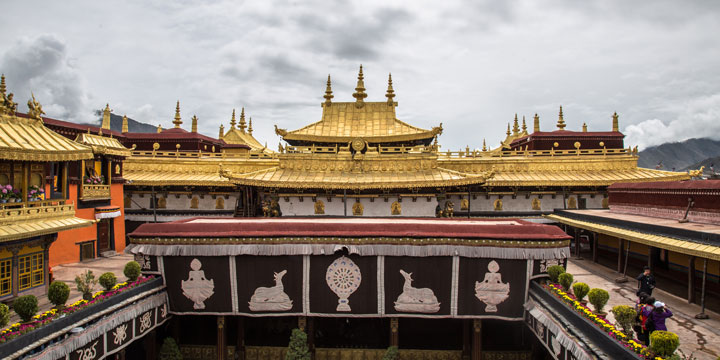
[560, 334]
[362, 250]
[107, 215]
[96, 330]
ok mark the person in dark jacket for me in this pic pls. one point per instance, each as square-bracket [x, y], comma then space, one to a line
[646, 282]
[659, 315]
[646, 326]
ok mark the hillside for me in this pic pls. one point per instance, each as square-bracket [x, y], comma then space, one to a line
[680, 155]
[116, 124]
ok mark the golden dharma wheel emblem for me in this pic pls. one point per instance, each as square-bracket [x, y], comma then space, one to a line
[156, 146]
[577, 144]
[555, 144]
[602, 144]
[358, 144]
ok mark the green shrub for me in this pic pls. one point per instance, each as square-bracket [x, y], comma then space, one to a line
[298, 347]
[4, 315]
[58, 293]
[132, 270]
[107, 280]
[26, 307]
[86, 283]
[169, 350]
[391, 353]
[565, 280]
[580, 290]
[555, 271]
[598, 297]
[625, 316]
[664, 343]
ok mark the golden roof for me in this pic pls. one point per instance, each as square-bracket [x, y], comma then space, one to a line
[681, 246]
[235, 136]
[27, 139]
[25, 222]
[103, 145]
[374, 122]
[582, 178]
[157, 178]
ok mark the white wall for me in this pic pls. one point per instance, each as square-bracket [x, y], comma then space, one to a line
[419, 208]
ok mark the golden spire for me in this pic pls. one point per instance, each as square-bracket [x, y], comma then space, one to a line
[390, 92]
[524, 127]
[508, 130]
[359, 93]
[232, 121]
[328, 92]
[561, 122]
[250, 127]
[194, 124]
[615, 123]
[222, 131]
[106, 117]
[484, 146]
[584, 127]
[125, 125]
[536, 123]
[177, 120]
[159, 129]
[3, 89]
[516, 129]
[242, 125]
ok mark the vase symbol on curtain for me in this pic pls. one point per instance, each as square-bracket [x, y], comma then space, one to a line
[492, 291]
[343, 277]
[271, 298]
[197, 288]
[412, 299]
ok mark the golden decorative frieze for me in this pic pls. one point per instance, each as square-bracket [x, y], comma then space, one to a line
[40, 218]
[94, 192]
[38, 210]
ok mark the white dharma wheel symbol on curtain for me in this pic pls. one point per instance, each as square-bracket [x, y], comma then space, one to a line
[343, 277]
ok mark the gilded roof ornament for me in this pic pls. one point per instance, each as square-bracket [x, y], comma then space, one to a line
[194, 124]
[516, 128]
[35, 110]
[536, 123]
[250, 127]
[390, 92]
[3, 89]
[159, 128]
[232, 120]
[106, 117]
[484, 148]
[279, 131]
[328, 92]
[359, 93]
[615, 122]
[177, 120]
[561, 122]
[222, 131]
[584, 128]
[242, 124]
[7, 105]
[508, 130]
[125, 127]
[524, 127]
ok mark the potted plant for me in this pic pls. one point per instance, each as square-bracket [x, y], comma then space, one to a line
[58, 294]
[132, 270]
[599, 297]
[5, 193]
[664, 343]
[26, 307]
[85, 283]
[581, 290]
[108, 280]
[625, 315]
[35, 193]
[298, 347]
[565, 280]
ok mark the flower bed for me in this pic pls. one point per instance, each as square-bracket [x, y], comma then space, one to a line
[42, 319]
[640, 349]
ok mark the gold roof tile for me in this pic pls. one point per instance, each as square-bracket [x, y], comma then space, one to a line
[25, 139]
[149, 178]
[103, 145]
[40, 227]
[581, 178]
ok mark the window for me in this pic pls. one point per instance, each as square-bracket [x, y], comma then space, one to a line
[5, 276]
[30, 271]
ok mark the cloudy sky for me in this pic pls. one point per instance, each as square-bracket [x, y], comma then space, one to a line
[470, 65]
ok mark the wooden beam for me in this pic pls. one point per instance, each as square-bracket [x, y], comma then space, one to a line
[477, 340]
[691, 280]
[621, 246]
[394, 331]
[221, 340]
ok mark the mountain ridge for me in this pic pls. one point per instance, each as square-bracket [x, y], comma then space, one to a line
[680, 156]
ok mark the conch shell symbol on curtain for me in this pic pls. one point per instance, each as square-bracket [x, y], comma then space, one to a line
[412, 299]
[492, 291]
[197, 288]
[271, 298]
[343, 277]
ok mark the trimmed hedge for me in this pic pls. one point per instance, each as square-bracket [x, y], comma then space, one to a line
[580, 290]
[598, 297]
[555, 271]
[625, 316]
[58, 293]
[664, 343]
[391, 353]
[132, 270]
[565, 280]
[107, 280]
[26, 307]
[4, 315]
[169, 350]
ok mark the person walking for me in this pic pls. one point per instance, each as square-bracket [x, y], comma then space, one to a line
[659, 315]
[646, 282]
[645, 309]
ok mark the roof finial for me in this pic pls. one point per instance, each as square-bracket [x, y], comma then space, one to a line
[615, 123]
[536, 123]
[177, 120]
[232, 120]
[516, 128]
[242, 124]
[159, 129]
[125, 127]
[484, 146]
[508, 130]
[328, 92]
[390, 92]
[250, 127]
[524, 127]
[561, 122]
[3, 89]
[359, 93]
[584, 128]
[193, 127]
[106, 117]
[222, 131]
